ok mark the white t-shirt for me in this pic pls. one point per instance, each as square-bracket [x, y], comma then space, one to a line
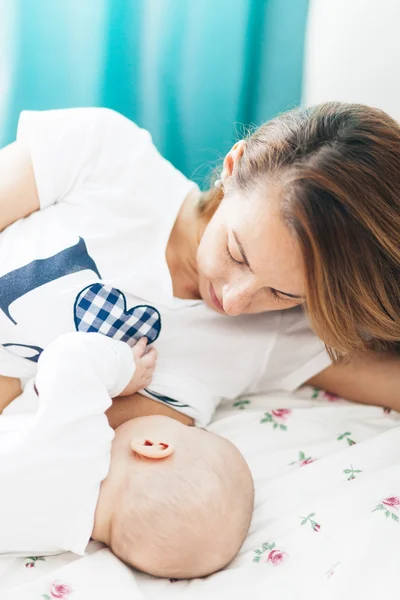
[93, 259]
[53, 461]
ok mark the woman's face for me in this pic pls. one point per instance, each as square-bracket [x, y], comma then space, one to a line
[248, 260]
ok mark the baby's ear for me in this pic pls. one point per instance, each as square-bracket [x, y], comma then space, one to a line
[151, 448]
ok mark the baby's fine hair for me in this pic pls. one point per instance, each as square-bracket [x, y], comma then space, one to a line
[190, 517]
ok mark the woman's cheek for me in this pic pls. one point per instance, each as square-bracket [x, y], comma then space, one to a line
[204, 266]
[211, 255]
[211, 263]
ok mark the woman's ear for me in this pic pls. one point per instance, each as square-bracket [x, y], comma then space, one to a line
[231, 158]
[151, 448]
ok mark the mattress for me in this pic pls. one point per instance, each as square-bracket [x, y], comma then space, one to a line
[326, 522]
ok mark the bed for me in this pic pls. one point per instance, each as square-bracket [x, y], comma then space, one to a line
[326, 522]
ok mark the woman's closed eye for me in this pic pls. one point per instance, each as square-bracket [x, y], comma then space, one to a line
[276, 294]
[278, 297]
[231, 257]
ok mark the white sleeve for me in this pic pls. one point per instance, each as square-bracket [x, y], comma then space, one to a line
[77, 376]
[296, 355]
[190, 397]
[71, 147]
[52, 467]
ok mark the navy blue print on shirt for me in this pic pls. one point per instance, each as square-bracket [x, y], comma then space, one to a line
[167, 400]
[34, 358]
[17, 283]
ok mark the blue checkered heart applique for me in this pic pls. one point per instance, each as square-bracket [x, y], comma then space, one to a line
[103, 309]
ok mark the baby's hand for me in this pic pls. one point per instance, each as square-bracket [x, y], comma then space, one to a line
[144, 363]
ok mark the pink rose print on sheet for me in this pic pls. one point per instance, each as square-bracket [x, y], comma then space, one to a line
[58, 591]
[318, 393]
[277, 418]
[267, 553]
[388, 506]
[275, 557]
[30, 561]
[393, 502]
[387, 410]
[281, 413]
[314, 525]
[331, 397]
[303, 460]
[346, 435]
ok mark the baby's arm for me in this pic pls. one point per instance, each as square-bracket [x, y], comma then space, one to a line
[10, 387]
[131, 404]
[127, 406]
[144, 367]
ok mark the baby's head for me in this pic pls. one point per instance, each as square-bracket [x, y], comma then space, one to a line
[182, 513]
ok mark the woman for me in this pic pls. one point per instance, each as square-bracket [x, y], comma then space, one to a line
[306, 212]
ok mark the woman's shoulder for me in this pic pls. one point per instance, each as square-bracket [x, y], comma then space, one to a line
[87, 127]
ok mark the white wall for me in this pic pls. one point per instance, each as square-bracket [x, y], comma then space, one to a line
[353, 53]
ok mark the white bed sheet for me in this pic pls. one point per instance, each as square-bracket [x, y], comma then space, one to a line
[326, 521]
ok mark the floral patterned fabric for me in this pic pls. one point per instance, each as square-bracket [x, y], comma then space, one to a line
[326, 521]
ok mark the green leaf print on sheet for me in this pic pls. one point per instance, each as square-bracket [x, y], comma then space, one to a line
[314, 525]
[345, 436]
[388, 505]
[317, 392]
[30, 561]
[274, 557]
[303, 460]
[241, 404]
[332, 570]
[277, 417]
[351, 472]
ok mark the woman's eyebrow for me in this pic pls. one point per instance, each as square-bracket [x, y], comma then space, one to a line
[245, 259]
[241, 249]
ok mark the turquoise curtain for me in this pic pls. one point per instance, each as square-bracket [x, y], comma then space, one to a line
[193, 72]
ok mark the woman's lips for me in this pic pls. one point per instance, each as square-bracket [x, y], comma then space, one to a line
[214, 299]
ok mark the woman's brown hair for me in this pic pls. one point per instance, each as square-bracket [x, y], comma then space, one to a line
[338, 167]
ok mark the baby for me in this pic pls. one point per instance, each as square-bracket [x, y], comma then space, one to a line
[170, 500]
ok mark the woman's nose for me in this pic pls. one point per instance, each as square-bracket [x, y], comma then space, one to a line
[235, 300]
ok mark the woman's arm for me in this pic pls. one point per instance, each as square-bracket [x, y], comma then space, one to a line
[10, 388]
[18, 191]
[372, 379]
